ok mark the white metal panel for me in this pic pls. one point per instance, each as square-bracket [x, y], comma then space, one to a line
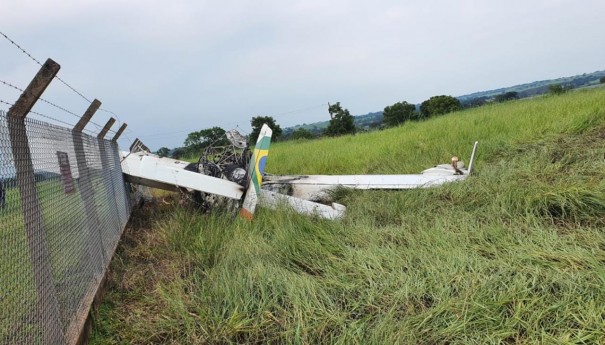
[315, 187]
[365, 181]
[171, 172]
[272, 200]
[444, 170]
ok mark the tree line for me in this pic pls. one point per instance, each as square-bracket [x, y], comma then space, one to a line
[341, 123]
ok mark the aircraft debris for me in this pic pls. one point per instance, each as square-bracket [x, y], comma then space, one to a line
[235, 173]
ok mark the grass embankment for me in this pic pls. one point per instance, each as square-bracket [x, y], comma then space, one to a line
[515, 254]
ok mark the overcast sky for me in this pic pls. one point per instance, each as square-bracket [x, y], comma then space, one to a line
[171, 67]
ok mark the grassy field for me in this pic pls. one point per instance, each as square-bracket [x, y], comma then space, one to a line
[66, 227]
[512, 255]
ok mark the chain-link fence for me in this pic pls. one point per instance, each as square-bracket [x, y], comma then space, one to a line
[63, 207]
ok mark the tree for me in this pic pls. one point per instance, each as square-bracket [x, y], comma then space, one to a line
[163, 151]
[602, 80]
[197, 141]
[475, 102]
[398, 113]
[257, 123]
[177, 153]
[341, 121]
[438, 105]
[556, 89]
[507, 96]
[316, 131]
[301, 133]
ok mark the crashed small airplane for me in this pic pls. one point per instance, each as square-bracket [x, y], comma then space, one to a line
[235, 173]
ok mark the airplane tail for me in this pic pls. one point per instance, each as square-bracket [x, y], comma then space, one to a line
[255, 175]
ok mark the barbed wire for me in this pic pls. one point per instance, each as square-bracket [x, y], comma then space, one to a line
[36, 113]
[57, 77]
[42, 99]
[21, 49]
[48, 102]
[116, 117]
[5, 102]
[51, 118]
[112, 113]
[39, 63]
[46, 116]
[73, 89]
[128, 139]
[69, 125]
[11, 85]
[89, 132]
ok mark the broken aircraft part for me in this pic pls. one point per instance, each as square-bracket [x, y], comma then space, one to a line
[256, 172]
[317, 187]
[232, 172]
[166, 173]
[273, 200]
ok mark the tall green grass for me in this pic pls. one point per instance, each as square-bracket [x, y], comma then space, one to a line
[514, 254]
[414, 146]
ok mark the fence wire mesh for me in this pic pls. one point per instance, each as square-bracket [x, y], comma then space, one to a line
[63, 207]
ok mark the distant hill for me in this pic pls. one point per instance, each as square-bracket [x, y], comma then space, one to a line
[372, 120]
[369, 120]
[537, 87]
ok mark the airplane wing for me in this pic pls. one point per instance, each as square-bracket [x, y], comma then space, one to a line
[317, 187]
[170, 174]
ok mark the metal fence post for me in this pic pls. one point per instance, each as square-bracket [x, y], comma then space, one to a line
[87, 192]
[47, 304]
[119, 132]
[106, 128]
[106, 167]
[117, 157]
